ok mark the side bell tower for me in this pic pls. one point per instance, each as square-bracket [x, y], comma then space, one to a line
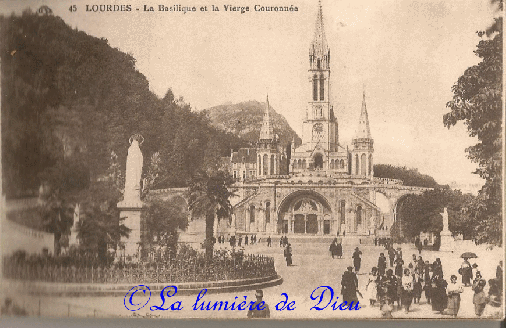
[363, 146]
[268, 157]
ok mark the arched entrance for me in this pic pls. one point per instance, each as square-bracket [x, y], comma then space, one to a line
[305, 212]
[318, 161]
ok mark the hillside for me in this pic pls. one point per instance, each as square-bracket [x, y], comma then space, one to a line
[69, 100]
[245, 120]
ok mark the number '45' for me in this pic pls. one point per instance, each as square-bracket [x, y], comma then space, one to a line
[73, 8]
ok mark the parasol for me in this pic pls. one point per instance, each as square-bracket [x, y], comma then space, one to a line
[469, 255]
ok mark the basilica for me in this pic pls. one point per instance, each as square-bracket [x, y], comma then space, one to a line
[323, 187]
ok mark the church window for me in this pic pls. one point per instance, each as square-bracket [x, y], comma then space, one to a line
[304, 164]
[342, 164]
[332, 164]
[244, 175]
[252, 214]
[235, 174]
[363, 163]
[370, 164]
[322, 88]
[315, 88]
[272, 165]
[318, 63]
[267, 212]
[265, 169]
[342, 211]
[358, 216]
[356, 164]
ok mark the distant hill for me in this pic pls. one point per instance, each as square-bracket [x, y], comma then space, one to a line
[245, 120]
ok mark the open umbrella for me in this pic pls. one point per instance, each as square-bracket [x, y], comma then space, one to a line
[469, 255]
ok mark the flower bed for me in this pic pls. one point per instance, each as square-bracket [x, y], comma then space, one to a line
[185, 266]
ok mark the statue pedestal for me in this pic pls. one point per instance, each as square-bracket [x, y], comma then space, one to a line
[446, 241]
[131, 212]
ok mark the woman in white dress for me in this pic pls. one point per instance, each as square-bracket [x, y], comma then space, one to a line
[372, 286]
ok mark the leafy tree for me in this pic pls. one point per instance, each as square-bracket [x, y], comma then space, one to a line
[162, 220]
[422, 213]
[101, 228]
[57, 215]
[209, 197]
[477, 101]
[409, 177]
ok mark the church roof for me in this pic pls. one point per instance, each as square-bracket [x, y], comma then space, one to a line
[249, 155]
[319, 46]
[363, 131]
[266, 132]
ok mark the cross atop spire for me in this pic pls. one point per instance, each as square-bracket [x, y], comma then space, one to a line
[267, 133]
[319, 46]
[363, 131]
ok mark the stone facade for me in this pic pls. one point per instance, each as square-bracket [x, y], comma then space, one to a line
[322, 187]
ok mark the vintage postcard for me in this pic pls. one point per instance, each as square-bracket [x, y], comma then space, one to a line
[305, 159]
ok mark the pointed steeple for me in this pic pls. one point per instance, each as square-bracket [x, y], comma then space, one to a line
[363, 131]
[267, 133]
[319, 46]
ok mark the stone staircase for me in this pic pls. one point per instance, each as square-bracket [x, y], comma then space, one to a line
[348, 240]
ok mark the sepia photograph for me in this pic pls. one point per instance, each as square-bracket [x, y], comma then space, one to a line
[209, 159]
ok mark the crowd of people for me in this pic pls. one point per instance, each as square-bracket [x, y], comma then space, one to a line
[241, 240]
[397, 284]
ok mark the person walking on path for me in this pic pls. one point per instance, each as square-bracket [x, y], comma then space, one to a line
[269, 241]
[467, 272]
[259, 310]
[382, 264]
[288, 254]
[438, 293]
[371, 288]
[281, 241]
[333, 248]
[427, 281]
[453, 290]
[387, 290]
[349, 286]
[499, 272]
[391, 255]
[479, 297]
[357, 259]
[407, 290]
[398, 268]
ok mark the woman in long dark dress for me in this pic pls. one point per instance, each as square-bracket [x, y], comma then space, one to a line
[333, 248]
[339, 250]
[438, 291]
[288, 255]
[357, 259]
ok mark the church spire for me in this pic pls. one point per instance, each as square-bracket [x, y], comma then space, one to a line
[319, 49]
[363, 131]
[267, 133]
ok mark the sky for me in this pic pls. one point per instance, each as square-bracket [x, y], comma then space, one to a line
[406, 53]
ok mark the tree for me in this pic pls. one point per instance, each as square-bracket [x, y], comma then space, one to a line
[162, 220]
[209, 197]
[57, 215]
[477, 101]
[422, 213]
